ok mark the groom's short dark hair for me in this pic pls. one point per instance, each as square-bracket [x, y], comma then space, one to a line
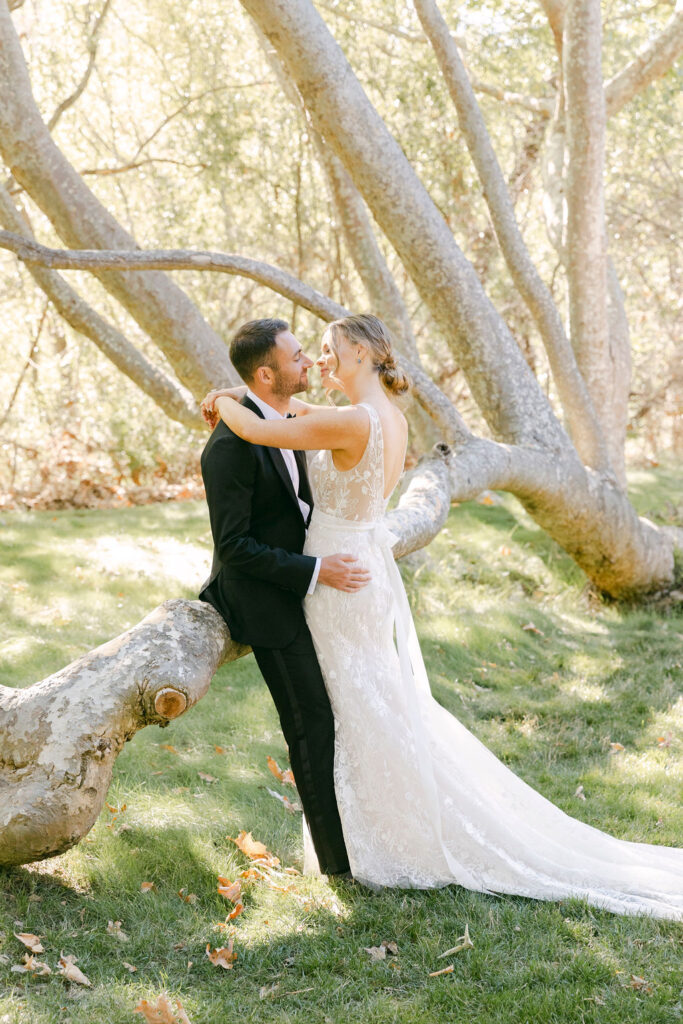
[254, 346]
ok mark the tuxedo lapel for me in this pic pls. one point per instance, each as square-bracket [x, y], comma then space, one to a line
[304, 484]
[276, 456]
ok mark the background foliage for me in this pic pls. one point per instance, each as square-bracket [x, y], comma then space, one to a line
[183, 132]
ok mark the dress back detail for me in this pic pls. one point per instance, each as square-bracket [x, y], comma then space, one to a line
[358, 493]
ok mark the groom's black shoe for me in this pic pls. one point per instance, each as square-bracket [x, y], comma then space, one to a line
[348, 880]
[341, 876]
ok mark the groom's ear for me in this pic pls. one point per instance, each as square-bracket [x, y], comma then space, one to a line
[264, 375]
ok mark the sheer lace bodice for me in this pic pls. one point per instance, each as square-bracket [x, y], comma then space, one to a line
[422, 802]
[356, 493]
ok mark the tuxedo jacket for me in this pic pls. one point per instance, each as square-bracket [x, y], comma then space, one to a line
[259, 575]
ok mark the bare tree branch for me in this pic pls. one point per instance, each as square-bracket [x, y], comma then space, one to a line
[576, 402]
[173, 399]
[357, 19]
[80, 88]
[650, 63]
[430, 397]
[105, 172]
[27, 362]
[544, 105]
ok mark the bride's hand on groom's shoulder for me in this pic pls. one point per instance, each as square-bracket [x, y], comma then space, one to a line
[208, 405]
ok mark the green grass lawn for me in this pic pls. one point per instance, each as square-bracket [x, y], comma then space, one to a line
[549, 699]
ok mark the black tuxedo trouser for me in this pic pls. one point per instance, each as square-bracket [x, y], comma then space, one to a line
[295, 681]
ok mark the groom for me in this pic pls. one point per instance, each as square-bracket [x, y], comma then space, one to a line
[259, 505]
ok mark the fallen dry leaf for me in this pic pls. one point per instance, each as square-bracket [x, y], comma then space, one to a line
[162, 1012]
[31, 966]
[285, 776]
[207, 778]
[168, 746]
[223, 957]
[114, 928]
[147, 886]
[30, 940]
[641, 985]
[236, 911]
[444, 970]
[464, 942]
[116, 810]
[67, 968]
[376, 952]
[187, 897]
[255, 850]
[219, 750]
[231, 890]
[252, 873]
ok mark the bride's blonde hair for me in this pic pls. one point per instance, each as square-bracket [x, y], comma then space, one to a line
[368, 330]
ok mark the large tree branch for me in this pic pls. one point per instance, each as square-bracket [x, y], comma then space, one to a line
[586, 248]
[175, 259]
[171, 320]
[576, 402]
[650, 63]
[430, 397]
[172, 398]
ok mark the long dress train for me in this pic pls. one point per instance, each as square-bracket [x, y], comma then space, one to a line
[422, 802]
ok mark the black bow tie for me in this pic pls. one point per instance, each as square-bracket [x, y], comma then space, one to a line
[290, 416]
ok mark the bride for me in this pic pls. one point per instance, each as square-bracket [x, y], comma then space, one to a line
[422, 802]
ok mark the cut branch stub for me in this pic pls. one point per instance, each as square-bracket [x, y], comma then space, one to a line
[59, 738]
[170, 703]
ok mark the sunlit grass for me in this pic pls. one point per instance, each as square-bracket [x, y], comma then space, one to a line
[549, 699]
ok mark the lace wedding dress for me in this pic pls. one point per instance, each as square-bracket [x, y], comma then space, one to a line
[422, 802]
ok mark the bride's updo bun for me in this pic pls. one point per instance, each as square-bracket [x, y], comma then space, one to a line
[368, 330]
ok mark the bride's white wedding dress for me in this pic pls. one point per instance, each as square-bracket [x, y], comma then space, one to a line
[422, 802]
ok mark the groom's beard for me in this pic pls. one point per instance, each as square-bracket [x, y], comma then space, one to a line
[286, 387]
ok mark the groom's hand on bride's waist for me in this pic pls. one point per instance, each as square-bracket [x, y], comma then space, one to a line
[343, 572]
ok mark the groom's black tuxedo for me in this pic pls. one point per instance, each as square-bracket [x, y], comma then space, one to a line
[258, 580]
[259, 576]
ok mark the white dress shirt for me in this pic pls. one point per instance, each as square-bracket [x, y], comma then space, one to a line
[292, 468]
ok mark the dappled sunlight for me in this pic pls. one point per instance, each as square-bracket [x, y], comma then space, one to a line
[592, 693]
[184, 563]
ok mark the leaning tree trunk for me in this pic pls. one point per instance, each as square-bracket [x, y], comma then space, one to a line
[517, 411]
[59, 738]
